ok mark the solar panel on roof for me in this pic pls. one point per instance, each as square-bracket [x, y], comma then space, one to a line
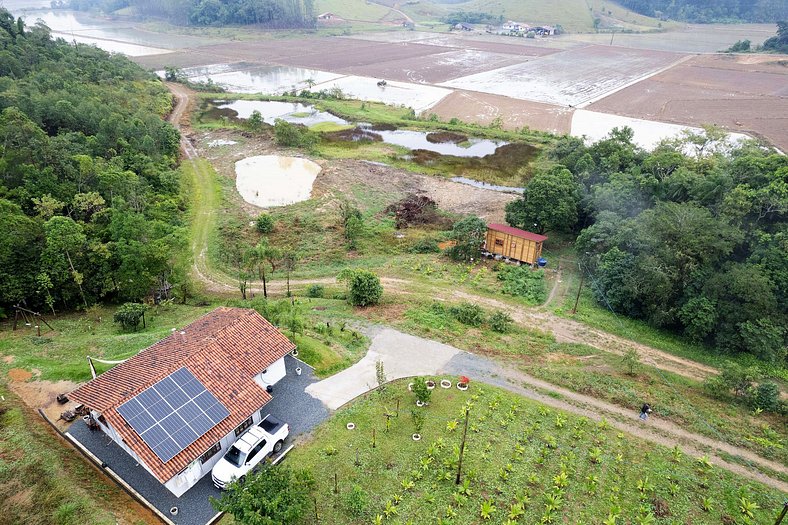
[173, 413]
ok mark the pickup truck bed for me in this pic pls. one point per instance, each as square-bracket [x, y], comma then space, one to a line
[270, 424]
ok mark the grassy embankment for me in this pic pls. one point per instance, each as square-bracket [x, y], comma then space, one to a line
[43, 481]
[561, 468]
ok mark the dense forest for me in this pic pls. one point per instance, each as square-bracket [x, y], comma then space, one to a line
[709, 11]
[271, 13]
[90, 204]
[695, 243]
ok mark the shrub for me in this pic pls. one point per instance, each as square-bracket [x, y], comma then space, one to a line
[315, 291]
[426, 245]
[264, 223]
[364, 287]
[468, 234]
[129, 315]
[423, 393]
[356, 501]
[417, 415]
[468, 313]
[767, 396]
[500, 321]
[523, 282]
[293, 135]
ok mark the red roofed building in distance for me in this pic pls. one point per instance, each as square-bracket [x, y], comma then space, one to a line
[178, 405]
[513, 244]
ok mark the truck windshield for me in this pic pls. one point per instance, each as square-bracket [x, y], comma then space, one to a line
[234, 456]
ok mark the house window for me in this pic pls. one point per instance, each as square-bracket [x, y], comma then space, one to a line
[211, 452]
[243, 426]
[499, 242]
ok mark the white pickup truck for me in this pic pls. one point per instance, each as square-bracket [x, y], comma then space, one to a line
[254, 445]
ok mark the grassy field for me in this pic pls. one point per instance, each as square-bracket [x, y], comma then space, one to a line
[45, 482]
[523, 463]
[359, 10]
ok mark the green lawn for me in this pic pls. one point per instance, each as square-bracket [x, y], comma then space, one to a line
[521, 459]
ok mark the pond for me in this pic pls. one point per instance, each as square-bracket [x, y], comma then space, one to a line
[271, 110]
[273, 180]
[248, 78]
[413, 140]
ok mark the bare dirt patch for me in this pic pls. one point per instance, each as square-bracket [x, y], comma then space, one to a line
[8, 359]
[732, 92]
[18, 375]
[43, 395]
[483, 108]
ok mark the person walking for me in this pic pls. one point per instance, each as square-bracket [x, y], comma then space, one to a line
[645, 410]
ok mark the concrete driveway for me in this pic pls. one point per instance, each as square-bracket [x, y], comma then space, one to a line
[402, 355]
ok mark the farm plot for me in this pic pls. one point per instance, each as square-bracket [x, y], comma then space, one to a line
[740, 96]
[436, 68]
[523, 462]
[482, 108]
[420, 97]
[569, 78]
[240, 78]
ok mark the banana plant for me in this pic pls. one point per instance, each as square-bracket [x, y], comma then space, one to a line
[487, 509]
[516, 512]
[390, 510]
[747, 507]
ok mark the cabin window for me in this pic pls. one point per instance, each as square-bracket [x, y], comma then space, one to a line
[211, 452]
[243, 426]
[499, 242]
[514, 245]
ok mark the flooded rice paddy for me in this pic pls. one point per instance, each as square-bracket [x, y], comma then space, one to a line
[273, 180]
[271, 110]
[252, 78]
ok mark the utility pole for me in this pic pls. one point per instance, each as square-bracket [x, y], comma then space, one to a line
[462, 448]
[579, 288]
[782, 514]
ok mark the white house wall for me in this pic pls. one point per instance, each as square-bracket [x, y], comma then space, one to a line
[271, 375]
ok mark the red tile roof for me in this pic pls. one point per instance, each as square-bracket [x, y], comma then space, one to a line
[224, 349]
[517, 232]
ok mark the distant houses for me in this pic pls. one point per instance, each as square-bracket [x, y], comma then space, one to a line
[512, 28]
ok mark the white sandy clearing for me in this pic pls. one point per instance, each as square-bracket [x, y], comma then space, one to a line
[417, 96]
[402, 355]
[221, 142]
[595, 126]
[271, 180]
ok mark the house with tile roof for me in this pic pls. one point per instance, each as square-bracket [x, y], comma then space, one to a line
[178, 405]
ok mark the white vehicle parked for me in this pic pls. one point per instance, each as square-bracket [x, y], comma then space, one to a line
[254, 445]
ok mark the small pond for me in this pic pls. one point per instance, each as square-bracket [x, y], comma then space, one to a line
[272, 110]
[413, 140]
[273, 180]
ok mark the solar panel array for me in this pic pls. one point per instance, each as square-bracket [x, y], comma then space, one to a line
[173, 413]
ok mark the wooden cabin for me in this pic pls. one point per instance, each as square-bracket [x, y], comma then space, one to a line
[513, 244]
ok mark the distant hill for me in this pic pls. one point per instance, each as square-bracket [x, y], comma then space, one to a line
[572, 15]
[708, 11]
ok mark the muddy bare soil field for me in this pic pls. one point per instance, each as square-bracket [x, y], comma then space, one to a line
[736, 92]
[483, 108]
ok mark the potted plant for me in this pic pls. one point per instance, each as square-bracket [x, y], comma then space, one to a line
[462, 384]
[430, 384]
[445, 383]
